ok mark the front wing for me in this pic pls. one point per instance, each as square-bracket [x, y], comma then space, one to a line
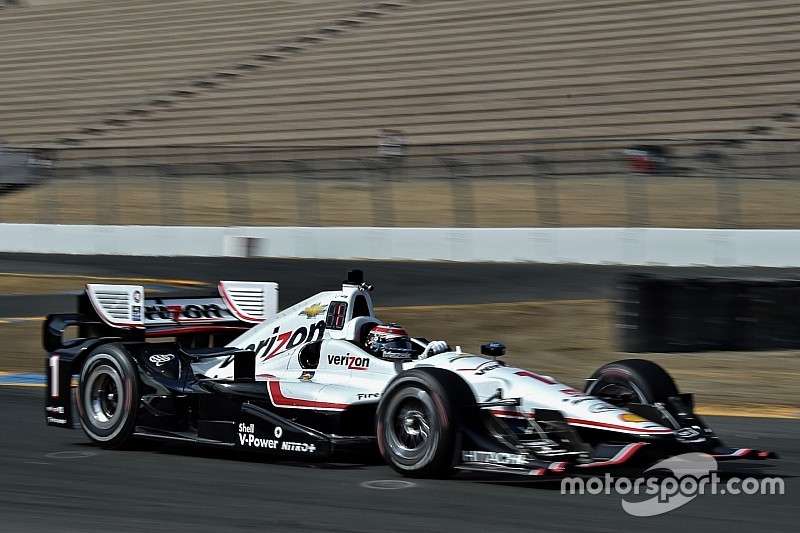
[490, 447]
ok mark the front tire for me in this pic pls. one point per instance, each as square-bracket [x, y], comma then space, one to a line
[632, 381]
[108, 396]
[416, 422]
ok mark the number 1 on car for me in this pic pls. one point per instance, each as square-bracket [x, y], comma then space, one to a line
[54, 375]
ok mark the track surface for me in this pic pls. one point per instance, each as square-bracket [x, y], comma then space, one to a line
[52, 480]
[397, 283]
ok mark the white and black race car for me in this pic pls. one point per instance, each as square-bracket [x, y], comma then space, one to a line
[230, 370]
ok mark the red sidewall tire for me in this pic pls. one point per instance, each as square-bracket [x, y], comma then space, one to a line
[416, 421]
[647, 381]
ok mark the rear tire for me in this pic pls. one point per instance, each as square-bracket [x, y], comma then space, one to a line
[632, 381]
[417, 424]
[108, 396]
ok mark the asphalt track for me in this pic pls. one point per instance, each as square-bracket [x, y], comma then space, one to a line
[52, 480]
[397, 283]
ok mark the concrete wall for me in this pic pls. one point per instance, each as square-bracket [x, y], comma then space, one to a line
[630, 246]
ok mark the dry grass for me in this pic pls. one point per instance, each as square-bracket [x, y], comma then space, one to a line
[17, 284]
[567, 340]
[22, 347]
[668, 202]
[31, 285]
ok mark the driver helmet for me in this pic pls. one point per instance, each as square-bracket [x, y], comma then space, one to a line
[390, 341]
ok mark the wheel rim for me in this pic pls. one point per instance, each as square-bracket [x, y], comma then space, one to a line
[412, 428]
[411, 433]
[104, 396]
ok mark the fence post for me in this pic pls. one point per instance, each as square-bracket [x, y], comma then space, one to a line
[643, 162]
[636, 200]
[106, 195]
[307, 205]
[546, 186]
[236, 191]
[48, 206]
[37, 170]
[463, 197]
[721, 166]
[379, 174]
[171, 204]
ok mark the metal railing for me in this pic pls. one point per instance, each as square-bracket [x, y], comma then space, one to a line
[622, 182]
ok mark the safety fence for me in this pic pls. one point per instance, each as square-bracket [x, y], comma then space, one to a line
[679, 183]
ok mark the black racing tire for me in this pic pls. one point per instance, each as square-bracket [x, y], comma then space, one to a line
[417, 422]
[632, 381]
[108, 396]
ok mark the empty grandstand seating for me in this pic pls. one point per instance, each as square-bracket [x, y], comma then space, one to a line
[139, 73]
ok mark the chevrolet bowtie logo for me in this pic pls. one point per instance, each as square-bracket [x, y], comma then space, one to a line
[313, 310]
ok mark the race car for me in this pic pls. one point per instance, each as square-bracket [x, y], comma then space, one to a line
[325, 375]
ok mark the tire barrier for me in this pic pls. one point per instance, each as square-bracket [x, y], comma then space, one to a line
[687, 315]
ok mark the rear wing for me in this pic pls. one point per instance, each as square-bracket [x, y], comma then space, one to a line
[127, 312]
[127, 306]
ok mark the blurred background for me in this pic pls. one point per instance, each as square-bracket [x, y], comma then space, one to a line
[406, 113]
[475, 113]
[427, 113]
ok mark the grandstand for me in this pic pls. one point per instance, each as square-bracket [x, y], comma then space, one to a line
[145, 73]
[99, 80]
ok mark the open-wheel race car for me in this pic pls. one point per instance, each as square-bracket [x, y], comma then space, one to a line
[326, 375]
